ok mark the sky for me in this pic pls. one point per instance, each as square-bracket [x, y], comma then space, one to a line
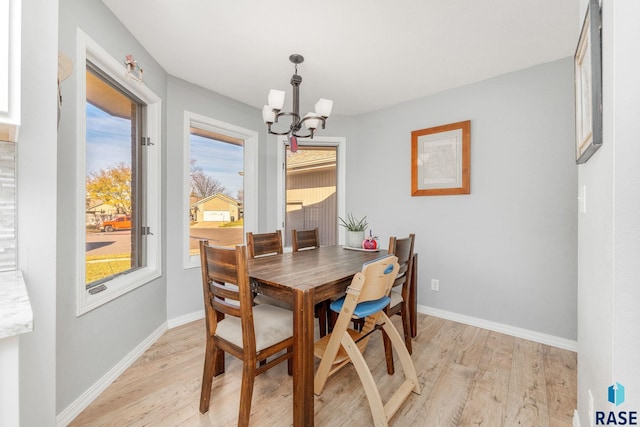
[109, 143]
[108, 140]
[220, 160]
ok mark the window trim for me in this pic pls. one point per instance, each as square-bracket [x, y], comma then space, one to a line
[250, 185]
[88, 49]
[341, 171]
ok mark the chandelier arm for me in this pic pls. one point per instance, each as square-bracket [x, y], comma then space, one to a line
[297, 135]
[279, 133]
[295, 123]
[295, 116]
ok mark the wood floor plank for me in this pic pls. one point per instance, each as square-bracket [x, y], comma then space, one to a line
[469, 377]
[527, 400]
[561, 379]
[488, 398]
[449, 395]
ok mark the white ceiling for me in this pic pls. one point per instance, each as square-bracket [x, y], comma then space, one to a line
[363, 54]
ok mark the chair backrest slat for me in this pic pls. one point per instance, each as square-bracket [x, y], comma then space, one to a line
[403, 249]
[225, 291]
[221, 265]
[264, 243]
[225, 280]
[222, 306]
[305, 239]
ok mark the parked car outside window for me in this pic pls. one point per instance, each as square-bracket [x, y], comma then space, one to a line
[122, 223]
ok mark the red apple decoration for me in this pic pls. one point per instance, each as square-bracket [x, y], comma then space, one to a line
[370, 242]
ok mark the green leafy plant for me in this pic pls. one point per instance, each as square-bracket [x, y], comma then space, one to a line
[353, 224]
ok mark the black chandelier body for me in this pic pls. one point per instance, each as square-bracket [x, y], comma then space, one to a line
[272, 112]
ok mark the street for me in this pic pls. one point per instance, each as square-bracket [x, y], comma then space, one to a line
[119, 242]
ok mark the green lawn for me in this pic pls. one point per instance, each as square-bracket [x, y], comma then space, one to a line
[238, 223]
[101, 266]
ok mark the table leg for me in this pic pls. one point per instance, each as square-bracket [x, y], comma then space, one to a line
[303, 358]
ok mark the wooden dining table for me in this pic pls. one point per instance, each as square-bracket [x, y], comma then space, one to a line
[303, 279]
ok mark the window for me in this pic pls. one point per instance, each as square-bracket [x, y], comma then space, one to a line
[118, 194]
[113, 168]
[217, 191]
[312, 188]
[220, 190]
[311, 192]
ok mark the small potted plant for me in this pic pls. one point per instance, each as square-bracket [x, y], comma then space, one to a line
[354, 230]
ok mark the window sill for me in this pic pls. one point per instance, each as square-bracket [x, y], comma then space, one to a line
[115, 288]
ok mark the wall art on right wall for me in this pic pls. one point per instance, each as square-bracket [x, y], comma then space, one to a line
[588, 85]
[440, 160]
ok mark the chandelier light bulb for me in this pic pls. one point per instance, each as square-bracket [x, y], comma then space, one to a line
[323, 107]
[276, 99]
[311, 123]
[268, 115]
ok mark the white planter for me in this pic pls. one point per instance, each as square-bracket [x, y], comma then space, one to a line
[353, 239]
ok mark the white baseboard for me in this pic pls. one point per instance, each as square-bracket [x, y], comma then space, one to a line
[81, 403]
[527, 334]
[72, 411]
[183, 320]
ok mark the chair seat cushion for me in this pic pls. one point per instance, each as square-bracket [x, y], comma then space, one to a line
[272, 324]
[396, 297]
[363, 309]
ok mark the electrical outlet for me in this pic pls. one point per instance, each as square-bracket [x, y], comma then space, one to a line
[435, 284]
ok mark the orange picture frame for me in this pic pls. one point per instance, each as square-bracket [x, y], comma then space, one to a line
[440, 160]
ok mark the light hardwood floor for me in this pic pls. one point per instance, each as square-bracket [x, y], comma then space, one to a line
[469, 377]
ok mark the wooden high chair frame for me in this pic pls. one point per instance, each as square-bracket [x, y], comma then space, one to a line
[345, 345]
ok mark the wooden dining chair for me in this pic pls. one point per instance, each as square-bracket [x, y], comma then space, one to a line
[264, 243]
[305, 239]
[302, 240]
[403, 249]
[261, 336]
[366, 298]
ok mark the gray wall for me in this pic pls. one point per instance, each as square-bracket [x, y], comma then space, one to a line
[37, 188]
[184, 287]
[90, 345]
[506, 252]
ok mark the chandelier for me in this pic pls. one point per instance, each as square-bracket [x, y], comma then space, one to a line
[272, 112]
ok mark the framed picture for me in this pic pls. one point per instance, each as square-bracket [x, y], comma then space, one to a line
[588, 85]
[440, 160]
